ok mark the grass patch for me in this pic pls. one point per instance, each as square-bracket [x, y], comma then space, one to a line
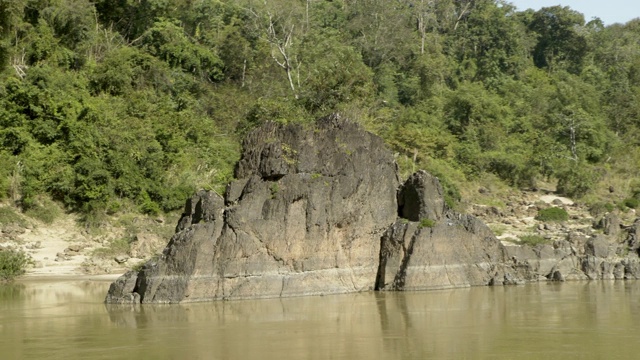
[553, 214]
[139, 266]
[133, 223]
[531, 240]
[426, 223]
[13, 263]
[9, 216]
[490, 201]
[94, 220]
[511, 240]
[498, 230]
[44, 210]
[120, 246]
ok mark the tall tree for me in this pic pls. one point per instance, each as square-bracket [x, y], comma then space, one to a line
[282, 26]
[562, 41]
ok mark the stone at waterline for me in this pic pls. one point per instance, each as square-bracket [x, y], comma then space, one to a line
[306, 216]
[433, 247]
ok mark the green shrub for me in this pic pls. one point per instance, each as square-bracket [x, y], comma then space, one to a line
[632, 203]
[531, 240]
[576, 181]
[13, 263]
[600, 208]
[609, 207]
[147, 205]
[113, 206]
[426, 223]
[552, 214]
[634, 187]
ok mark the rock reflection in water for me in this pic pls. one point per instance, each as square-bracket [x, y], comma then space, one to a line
[586, 320]
[439, 324]
[307, 327]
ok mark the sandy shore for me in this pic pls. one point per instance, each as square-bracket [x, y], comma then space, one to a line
[60, 252]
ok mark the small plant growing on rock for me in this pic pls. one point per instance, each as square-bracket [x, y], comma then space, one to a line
[275, 188]
[426, 223]
[554, 214]
[289, 154]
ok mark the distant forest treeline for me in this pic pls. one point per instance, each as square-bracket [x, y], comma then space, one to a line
[114, 105]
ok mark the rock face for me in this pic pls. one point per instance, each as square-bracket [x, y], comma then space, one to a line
[304, 217]
[434, 247]
[317, 210]
[320, 210]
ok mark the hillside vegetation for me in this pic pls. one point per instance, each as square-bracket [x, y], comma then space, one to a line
[131, 105]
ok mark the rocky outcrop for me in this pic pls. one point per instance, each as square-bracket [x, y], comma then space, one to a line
[304, 217]
[320, 210]
[579, 257]
[431, 246]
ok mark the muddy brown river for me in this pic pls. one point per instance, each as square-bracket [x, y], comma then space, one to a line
[582, 320]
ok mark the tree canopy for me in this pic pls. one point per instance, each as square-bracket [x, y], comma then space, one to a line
[108, 106]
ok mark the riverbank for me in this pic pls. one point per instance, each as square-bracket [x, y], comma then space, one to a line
[65, 249]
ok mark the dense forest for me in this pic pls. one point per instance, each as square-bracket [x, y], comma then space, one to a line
[130, 105]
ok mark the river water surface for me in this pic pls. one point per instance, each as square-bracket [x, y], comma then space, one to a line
[581, 320]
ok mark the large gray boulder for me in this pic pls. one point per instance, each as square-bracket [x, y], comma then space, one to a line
[304, 217]
[432, 247]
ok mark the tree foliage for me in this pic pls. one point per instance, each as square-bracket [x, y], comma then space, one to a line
[131, 105]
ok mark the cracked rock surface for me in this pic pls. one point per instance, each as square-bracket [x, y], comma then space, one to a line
[305, 216]
[433, 247]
